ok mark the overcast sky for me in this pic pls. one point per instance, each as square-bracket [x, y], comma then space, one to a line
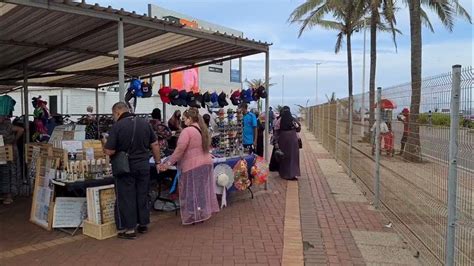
[296, 58]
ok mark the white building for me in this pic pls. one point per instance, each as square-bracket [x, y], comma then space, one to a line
[225, 76]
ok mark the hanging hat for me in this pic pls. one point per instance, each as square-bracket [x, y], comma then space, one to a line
[224, 177]
[193, 100]
[206, 97]
[199, 100]
[246, 96]
[222, 100]
[235, 98]
[214, 100]
[164, 93]
[255, 95]
[174, 96]
[183, 98]
[260, 171]
[262, 92]
[214, 97]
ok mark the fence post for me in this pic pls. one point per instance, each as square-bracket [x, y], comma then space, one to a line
[453, 154]
[337, 129]
[329, 127]
[377, 150]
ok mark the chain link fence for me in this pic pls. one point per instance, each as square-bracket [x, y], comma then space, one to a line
[413, 193]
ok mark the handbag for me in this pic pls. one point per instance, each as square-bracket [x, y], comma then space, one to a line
[120, 163]
[279, 155]
[300, 143]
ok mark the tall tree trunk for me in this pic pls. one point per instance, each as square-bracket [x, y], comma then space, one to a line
[351, 104]
[413, 148]
[373, 62]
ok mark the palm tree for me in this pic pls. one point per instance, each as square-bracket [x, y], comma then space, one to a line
[382, 17]
[446, 10]
[348, 17]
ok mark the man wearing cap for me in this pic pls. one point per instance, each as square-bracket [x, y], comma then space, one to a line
[249, 133]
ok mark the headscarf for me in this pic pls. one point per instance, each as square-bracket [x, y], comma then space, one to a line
[286, 119]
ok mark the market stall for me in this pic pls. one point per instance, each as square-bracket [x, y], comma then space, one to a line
[123, 43]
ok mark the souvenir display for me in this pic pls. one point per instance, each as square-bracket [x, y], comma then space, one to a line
[241, 176]
[259, 171]
[228, 136]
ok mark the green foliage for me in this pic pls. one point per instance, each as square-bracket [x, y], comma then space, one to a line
[444, 120]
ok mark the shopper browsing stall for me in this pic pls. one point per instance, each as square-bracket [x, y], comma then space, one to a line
[8, 173]
[163, 133]
[249, 128]
[134, 136]
[197, 196]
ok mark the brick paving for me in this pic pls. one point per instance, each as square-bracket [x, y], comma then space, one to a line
[247, 232]
[327, 223]
[303, 220]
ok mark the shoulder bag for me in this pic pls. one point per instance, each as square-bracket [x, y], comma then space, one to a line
[120, 163]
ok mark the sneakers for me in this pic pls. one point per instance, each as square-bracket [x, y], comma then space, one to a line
[142, 229]
[127, 235]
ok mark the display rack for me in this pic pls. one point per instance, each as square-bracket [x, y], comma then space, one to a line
[229, 139]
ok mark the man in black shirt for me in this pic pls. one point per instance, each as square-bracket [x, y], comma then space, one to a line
[131, 207]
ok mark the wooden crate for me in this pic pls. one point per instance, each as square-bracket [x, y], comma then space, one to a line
[99, 231]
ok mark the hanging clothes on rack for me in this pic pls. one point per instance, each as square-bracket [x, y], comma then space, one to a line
[7, 105]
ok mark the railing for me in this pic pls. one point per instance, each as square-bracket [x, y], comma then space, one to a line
[412, 194]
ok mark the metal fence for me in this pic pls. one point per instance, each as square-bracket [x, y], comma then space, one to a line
[412, 194]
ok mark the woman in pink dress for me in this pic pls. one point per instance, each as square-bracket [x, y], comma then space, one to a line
[197, 196]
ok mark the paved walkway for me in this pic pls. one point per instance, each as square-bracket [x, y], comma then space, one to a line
[323, 219]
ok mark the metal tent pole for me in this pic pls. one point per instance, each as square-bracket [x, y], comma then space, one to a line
[240, 74]
[267, 110]
[453, 165]
[163, 81]
[97, 111]
[121, 63]
[25, 102]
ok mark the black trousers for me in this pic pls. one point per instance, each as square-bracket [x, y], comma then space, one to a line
[132, 205]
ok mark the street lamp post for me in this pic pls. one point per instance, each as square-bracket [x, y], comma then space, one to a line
[317, 81]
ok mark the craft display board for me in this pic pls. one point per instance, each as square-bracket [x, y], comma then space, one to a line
[43, 195]
[107, 205]
[46, 150]
[69, 212]
[35, 156]
[100, 204]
